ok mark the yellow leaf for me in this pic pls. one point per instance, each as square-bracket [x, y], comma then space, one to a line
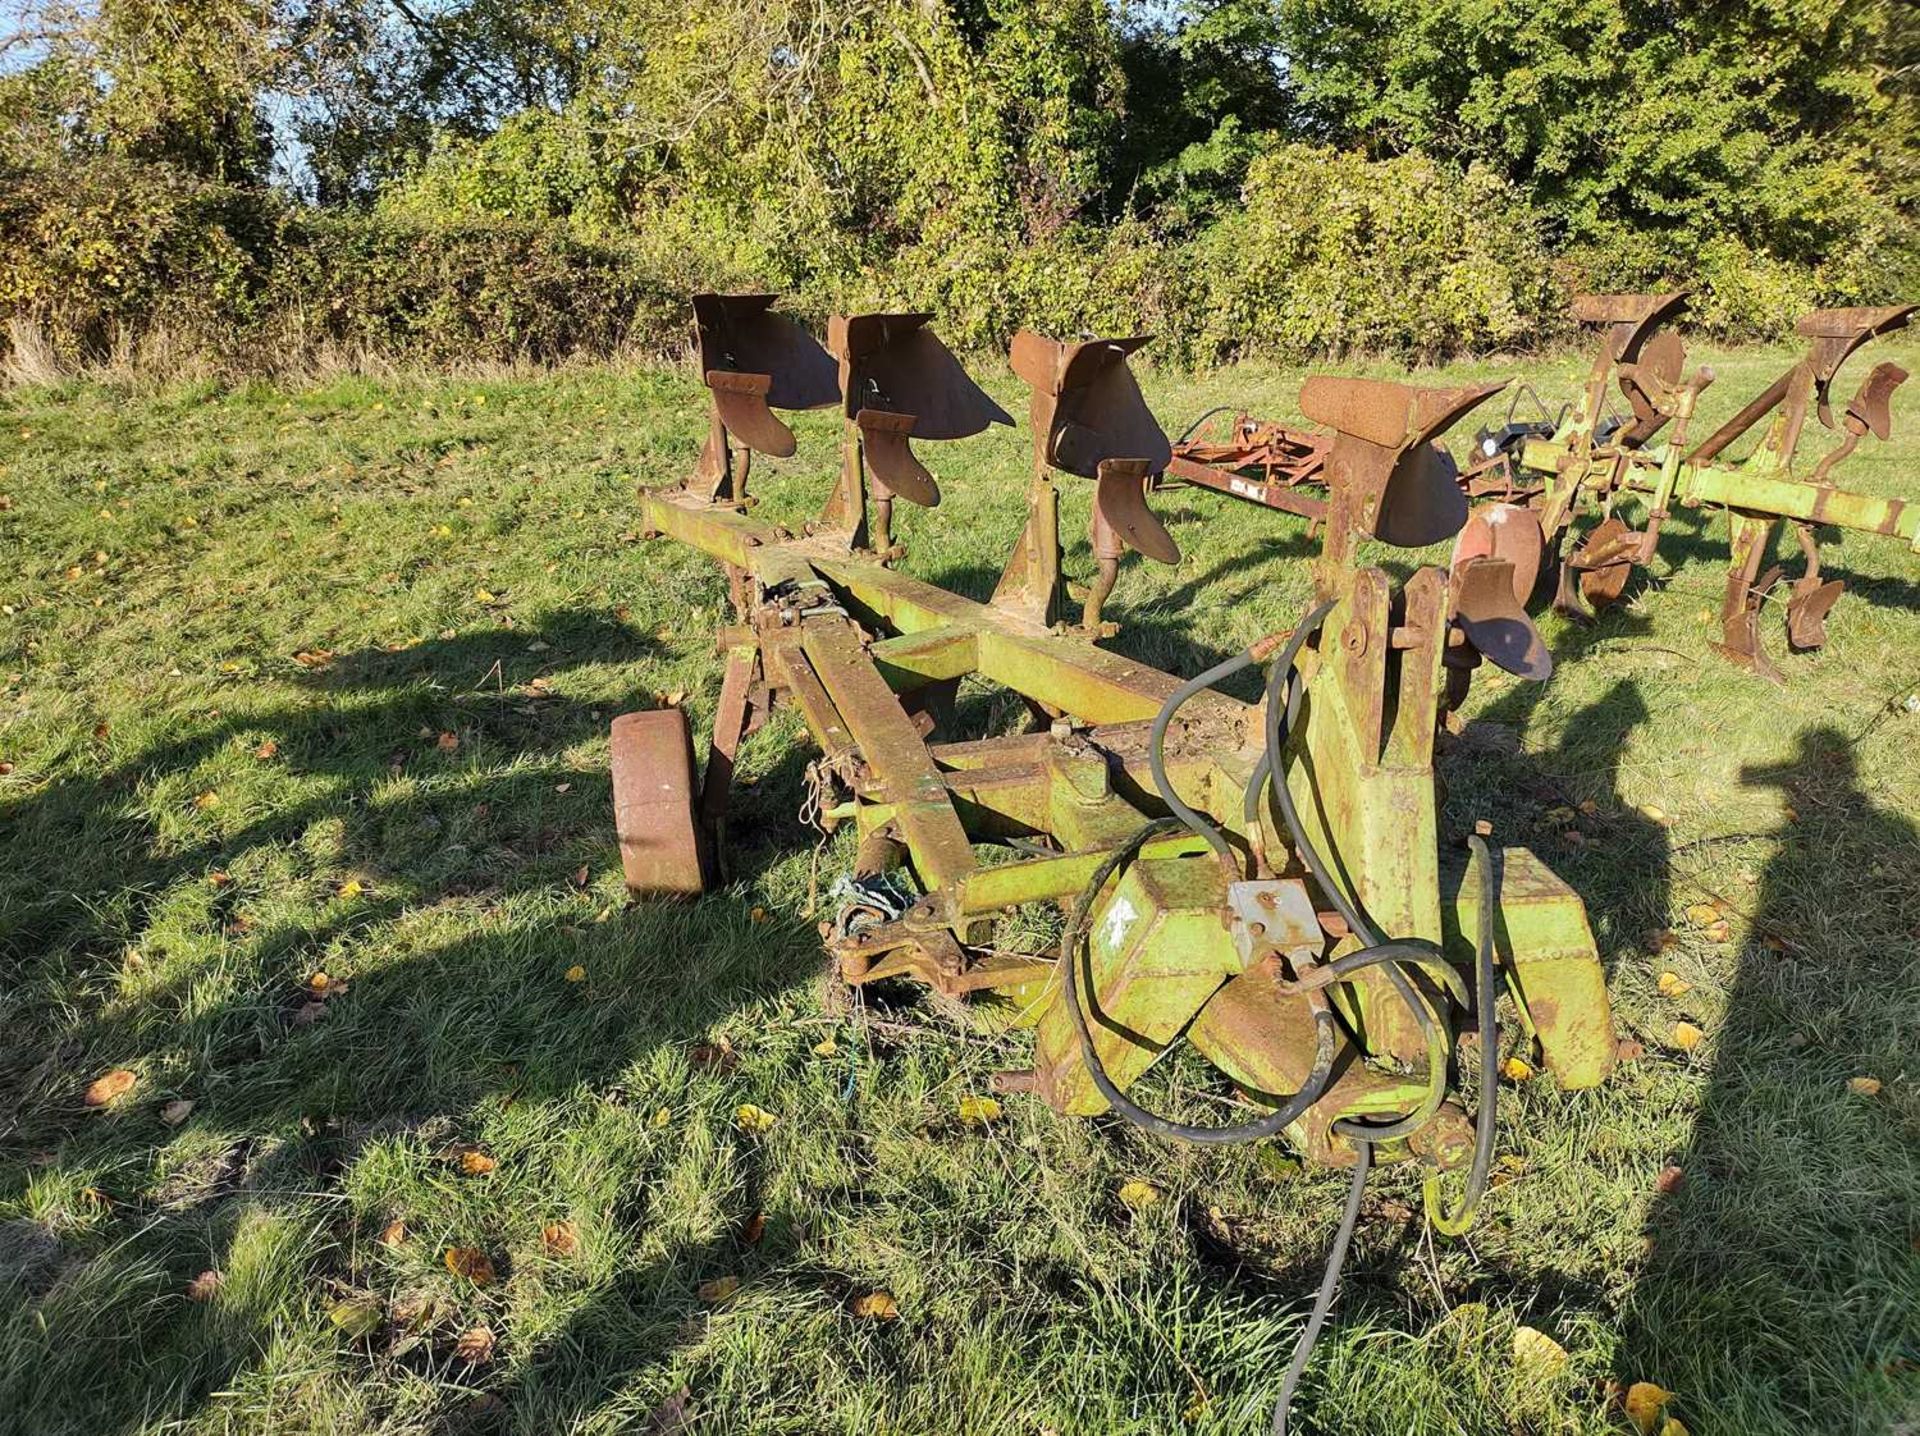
[1537, 1356]
[1671, 984]
[875, 1306]
[1655, 814]
[759, 914]
[1865, 1086]
[463, 502]
[1674, 1426]
[481, 595]
[719, 1289]
[357, 1316]
[663, 1117]
[472, 1263]
[979, 1111]
[753, 1119]
[393, 1233]
[576, 973]
[1138, 1194]
[114, 1085]
[1686, 1036]
[476, 1164]
[560, 1239]
[825, 1047]
[351, 888]
[1516, 1069]
[1644, 1402]
[442, 531]
[208, 799]
[1703, 914]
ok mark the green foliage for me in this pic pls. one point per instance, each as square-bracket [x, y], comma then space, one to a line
[1331, 252]
[1300, 177]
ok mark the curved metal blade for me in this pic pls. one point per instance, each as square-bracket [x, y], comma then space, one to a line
[1807, 611]
[1494, 622]
[737, 334]
[1604, 563]
[883, 439]
[1506, 531]
[742, 402]
[1422, 503]
[1120, 495]
[1872, 406]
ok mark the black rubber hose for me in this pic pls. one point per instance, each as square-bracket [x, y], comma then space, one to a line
[1268, 1126]
[1456, 1222]
[1329, 1284]
[1157, 764]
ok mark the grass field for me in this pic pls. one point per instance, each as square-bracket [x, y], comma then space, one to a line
[317, 680]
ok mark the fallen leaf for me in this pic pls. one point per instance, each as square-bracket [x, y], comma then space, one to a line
[205, 1286]
[715, 1056]
[472, 1263]
[218, 879]
[1627, 1050]
[447, 742]
[1686, 1036]
[825, 1047]
[266, 750]
[1655, 815]
[208, 799]
[1674, 1426]
[563, 787]
[1718, 932]
[1138, 1194]
[476, 1164]
[580, 875]
[393, 1233]
[1704, 914]
[560, 1239]
[755, 1228]
[1560, 814]
[475, 1346]
[114, 1085]
[358, 1316]
[1864, 1086]
[352, 888]
[576, 973]
[1671, 984]
[481, 595]
[1516, 1069]
[718, 1290]
[1537, 1356]
[314, 658]
[979, 1111]
[754, 1119]
[1670, 1180]
[758, 914]
[662, 1117]
[875, 1306]
[176, 1111]
[1644, 1403]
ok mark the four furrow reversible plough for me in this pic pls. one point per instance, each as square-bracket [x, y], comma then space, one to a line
[1268, 881]
[1534, 481]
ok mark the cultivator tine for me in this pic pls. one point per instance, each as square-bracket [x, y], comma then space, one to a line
[753, 361]
[1836, 333]
[1869, 411]
[896, 382]
[1504, 531]
[1391, 479]
[1089, 418]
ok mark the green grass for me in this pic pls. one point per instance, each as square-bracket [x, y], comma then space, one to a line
[465, 552]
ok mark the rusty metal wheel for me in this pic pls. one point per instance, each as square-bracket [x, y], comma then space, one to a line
[662, 846]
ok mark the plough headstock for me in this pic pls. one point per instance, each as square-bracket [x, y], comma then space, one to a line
[754, 361]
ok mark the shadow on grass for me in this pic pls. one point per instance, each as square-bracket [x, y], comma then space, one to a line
[1781, 1276]
[470, 909]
